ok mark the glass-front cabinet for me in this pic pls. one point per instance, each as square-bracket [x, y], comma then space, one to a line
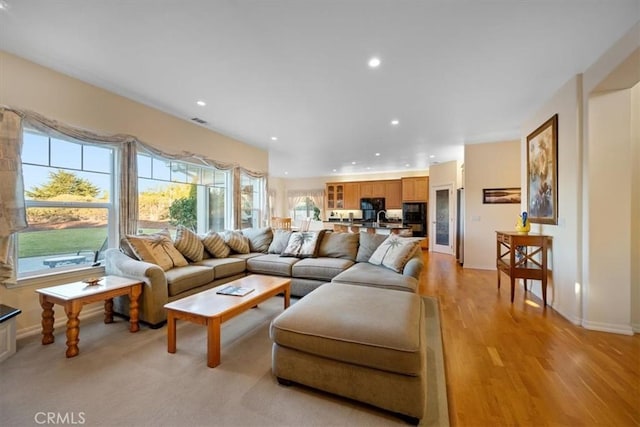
[335, 196]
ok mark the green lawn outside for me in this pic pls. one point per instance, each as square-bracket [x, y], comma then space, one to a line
[53, 242]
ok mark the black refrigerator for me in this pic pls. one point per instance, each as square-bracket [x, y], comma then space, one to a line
[414, 216]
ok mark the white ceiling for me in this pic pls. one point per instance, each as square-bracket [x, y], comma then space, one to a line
[453, 71]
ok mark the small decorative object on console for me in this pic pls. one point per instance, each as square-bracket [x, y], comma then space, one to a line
[92, 281]
[523, 226]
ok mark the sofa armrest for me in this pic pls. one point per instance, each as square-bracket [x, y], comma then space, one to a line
[414, 266]
[155, 292]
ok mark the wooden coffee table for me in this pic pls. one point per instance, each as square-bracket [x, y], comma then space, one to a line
[74, 295]
[211, 309]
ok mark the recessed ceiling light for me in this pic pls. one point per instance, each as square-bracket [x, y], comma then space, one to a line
[407, 165]
[374, 62]
[274, 138]
[4, 5]
[395, 122]
[201, 103]
[432, 156]
[377, 154]
[335, 170]
[353, 163]
[286, 173]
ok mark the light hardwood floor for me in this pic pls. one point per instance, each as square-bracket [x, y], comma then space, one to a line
[521, 364]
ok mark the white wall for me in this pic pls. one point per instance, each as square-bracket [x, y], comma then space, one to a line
[26, 85]
[483, 220]
[565, 247]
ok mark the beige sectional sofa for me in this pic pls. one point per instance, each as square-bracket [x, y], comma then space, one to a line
[349, 258]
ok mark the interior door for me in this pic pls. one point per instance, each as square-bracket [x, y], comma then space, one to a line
[442, 225]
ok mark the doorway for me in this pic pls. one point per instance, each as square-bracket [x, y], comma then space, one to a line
[442, 225]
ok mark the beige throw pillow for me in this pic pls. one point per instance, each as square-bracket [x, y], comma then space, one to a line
[215, 245]
[156, 249]
[237, 242]
[189, 244]
[394, 252]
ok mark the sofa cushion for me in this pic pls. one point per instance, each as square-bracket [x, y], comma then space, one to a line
[375, 328]
[156, 249]
[303, 244]
[280, 241]
[320, 268]
[215, 245]
[339, 245]
[189, 244]
[368, 244]
[259, 238]
[363, 273]
[183, 279]
[271, 264]
[224, 267]
[394, 252]
[237, 241]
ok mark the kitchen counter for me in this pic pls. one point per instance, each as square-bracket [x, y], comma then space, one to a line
[368, 227]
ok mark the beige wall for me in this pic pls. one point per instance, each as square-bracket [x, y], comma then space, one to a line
[635, 208]
[483, 220]
[26, 85]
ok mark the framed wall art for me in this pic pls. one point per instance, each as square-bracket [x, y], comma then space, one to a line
[542, 173]
[501, 195]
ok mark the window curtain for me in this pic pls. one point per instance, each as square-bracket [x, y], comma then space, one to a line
[126, 169]
[13, 215]
[295, 197]
[317, 196]
[264, 209]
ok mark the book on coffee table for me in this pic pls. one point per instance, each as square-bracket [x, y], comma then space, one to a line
[238, 291]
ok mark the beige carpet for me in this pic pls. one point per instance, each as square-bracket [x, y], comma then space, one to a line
[124, 379]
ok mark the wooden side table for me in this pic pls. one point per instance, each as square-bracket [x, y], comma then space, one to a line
[73, 296]
[517, 256]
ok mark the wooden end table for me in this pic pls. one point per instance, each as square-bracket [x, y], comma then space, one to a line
[211, 309]
[73, 296]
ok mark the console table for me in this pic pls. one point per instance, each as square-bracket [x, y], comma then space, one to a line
[522, 256]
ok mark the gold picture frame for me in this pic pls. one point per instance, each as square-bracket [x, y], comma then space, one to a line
[542, 173]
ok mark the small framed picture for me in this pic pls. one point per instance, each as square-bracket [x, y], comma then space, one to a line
[501, 195]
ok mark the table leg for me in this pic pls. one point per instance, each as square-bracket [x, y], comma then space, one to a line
[513, 287]
[108, 310]
[73, 327]
[171, 332]
[213, 342]
[498, 278]
[47, 320]
[134, 295]
[287, 297]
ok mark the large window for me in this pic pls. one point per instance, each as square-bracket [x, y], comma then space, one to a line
[305, 209]
[68, 195]
[251, 201]
[172, 193]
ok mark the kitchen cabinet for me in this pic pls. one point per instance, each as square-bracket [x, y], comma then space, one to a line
[372, 189]
[415, 189]
[393, 194]
[335, 196]
[351, 195]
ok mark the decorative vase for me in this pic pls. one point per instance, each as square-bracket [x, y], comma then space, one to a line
[523, 226]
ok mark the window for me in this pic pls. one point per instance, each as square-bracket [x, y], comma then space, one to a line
[172, 193]
[252, 201]
[68, 186]
[304, 209]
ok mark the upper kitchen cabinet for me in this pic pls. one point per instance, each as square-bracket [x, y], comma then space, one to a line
[352, 195]
[415, 189]
[372, 189]
[393, 194]
[335, 196]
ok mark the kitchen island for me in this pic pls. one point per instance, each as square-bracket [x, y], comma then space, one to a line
[370, 227]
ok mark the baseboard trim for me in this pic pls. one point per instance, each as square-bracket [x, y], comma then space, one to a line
[608, 327]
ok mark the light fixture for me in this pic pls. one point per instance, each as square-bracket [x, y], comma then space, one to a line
[4, 5]
[432, 156]
[377, 154]
[274, 138]
[407, 165]
[374, 62]
[395, 122]
[201, 103]
[353, 163]
[335, 170]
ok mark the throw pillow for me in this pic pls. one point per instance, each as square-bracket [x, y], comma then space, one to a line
[237, 242]
[303, 244]
[339, 245]
[215, 245]
[394, 252]
[368, 245]
[259, 238]
[280, 241]
[157, 249]
[189, 244]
